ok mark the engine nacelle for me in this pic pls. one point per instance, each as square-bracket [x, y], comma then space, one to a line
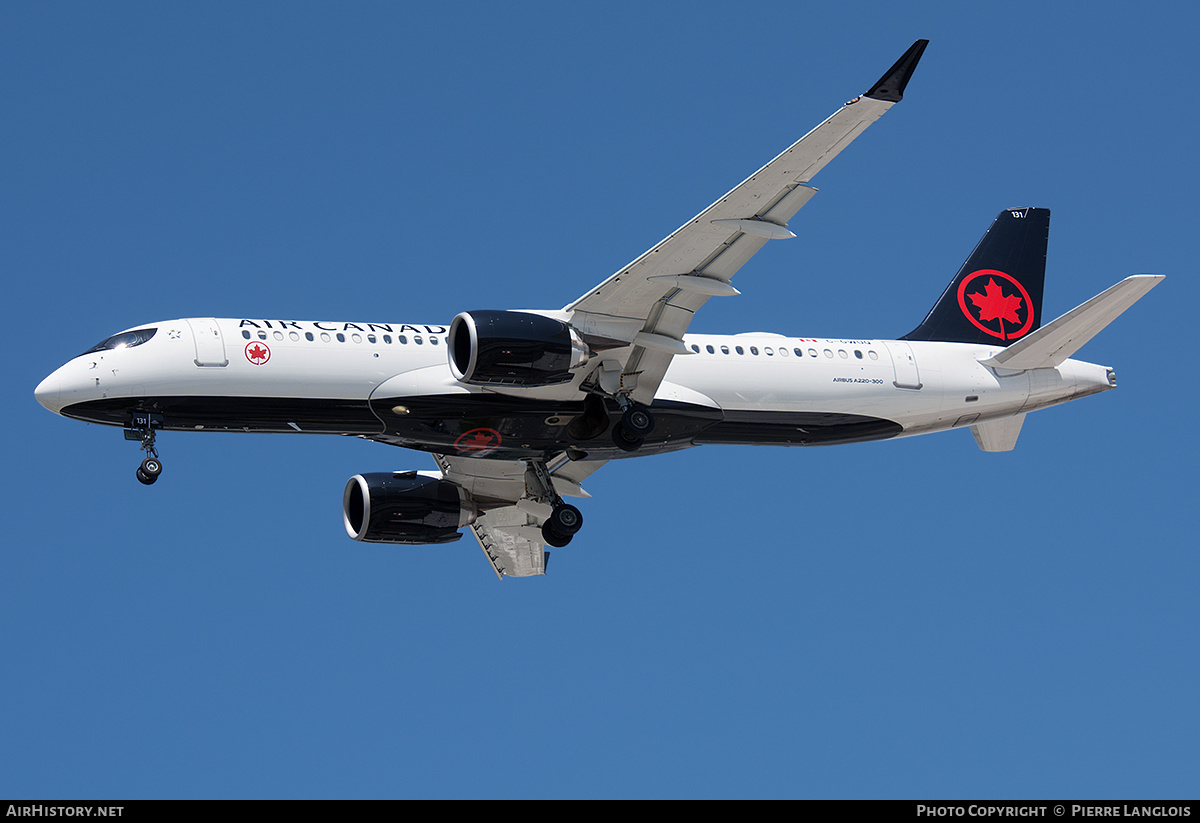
[513, 348]
[404, 507]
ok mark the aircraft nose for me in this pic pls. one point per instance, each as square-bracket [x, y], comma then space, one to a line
[49, 391]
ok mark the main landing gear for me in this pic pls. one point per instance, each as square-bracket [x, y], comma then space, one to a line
[635, 424]
[604, 388]
[565, 520]
[141, 427]
[561, 525]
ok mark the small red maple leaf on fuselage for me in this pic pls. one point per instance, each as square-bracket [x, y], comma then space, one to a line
[994, 304]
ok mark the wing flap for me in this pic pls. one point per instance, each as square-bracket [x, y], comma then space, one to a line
[732, 255]
[511, 541]
[509, 534]
[791, 202]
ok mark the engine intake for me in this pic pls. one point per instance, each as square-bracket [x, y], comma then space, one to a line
[404, 507]
[513, 348]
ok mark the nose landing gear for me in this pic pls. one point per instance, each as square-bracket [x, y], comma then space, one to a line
[141, 427]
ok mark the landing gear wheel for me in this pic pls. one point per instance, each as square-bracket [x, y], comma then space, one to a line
[567, 520]
[553, 537]
[564, 520]
[145, 479]
[624, 440]
[630, 433]
[638, 422]
[151, 468]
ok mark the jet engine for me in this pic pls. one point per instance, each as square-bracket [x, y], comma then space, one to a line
[405, 507]
[513, 348]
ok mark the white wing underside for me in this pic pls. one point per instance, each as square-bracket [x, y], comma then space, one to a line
[658, 293]
[509, 529]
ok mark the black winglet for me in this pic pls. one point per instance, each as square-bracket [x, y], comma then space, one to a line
[891, 86]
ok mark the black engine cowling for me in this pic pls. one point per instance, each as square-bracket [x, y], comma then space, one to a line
[404, 507]
[513, 348]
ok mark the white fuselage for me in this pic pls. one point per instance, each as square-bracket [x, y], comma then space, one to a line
[231, 369]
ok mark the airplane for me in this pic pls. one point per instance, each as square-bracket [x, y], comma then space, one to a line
[519, 407]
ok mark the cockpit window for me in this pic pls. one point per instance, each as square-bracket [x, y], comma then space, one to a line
[124, 340]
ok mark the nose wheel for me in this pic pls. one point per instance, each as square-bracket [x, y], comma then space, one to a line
[149, 471]
[141, 428]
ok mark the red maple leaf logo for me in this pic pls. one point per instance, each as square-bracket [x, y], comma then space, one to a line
[257, 353]
[1001, 313]
[994, 304]
[478, 441]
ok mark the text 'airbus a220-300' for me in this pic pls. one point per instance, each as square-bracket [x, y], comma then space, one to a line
[519, 407]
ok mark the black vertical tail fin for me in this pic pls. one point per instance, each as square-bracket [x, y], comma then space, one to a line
[996, 297]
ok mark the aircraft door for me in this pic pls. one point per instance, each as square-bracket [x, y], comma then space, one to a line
[905, 365]
[210, 347]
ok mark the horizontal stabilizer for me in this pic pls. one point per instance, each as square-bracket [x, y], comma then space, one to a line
[1053, 343]
[998, 435]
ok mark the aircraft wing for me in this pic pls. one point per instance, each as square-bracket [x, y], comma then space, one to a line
[650, 302]
[509, 529]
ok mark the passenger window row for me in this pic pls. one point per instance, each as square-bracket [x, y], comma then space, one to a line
[326, 337]
[782, 351]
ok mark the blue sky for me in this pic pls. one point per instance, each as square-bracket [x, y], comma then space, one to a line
[904, 619]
